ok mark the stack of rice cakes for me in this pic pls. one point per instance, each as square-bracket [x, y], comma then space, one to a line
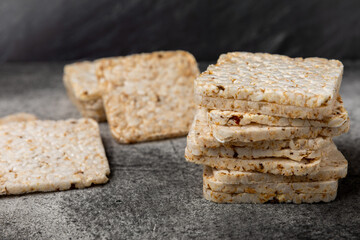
[264, 129]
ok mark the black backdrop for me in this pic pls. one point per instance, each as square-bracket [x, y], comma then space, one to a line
[43, 30]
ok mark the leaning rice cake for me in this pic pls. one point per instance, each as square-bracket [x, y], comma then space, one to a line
[149, 96]
[83, 90]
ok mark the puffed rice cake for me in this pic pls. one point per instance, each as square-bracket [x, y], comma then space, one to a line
[42, 156]
[81, 83]
[333, 166]
[310, 83]
[220, 197]
[231, 118]
[148, 96]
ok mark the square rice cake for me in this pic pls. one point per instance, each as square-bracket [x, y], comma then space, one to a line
[204, 136]
[280, 166]
[17, 117]
[264, 108]
[258, 132]
[271, 78]
[42, 156]
[221, 197]
[232, 118]
[333, 166]
[244, 152]
[81, 83]
[149, 96]
[265, 187]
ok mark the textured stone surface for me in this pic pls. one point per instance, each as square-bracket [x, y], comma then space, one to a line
[64, 30]
[153, 192]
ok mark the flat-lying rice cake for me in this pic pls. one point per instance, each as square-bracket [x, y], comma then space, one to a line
[259, 132]
[220, 197]
[17, 117]
[83, 90]
[287, 111]
[231, 118]
[41, 156]
[205, 138]
[281, 166]
[260, 77]
[228, 151]
[333, 166]
[149, 96]
[265, 187]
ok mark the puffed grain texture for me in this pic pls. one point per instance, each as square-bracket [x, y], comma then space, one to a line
[149, 96]
[42, 156]
[82, 86]
[262, 77]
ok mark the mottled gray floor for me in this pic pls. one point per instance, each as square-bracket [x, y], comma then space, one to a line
[153, 192]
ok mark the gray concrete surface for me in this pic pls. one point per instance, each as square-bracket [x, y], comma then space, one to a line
[153, 193]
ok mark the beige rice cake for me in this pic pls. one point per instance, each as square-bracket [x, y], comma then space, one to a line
[83, 90]
[228, 151]
[220, 197]
[259, 132]
[270, 78]
[231, 118]
[333, 166]
[264, 108]
[281, 166]
[17, 117]
[42, 156]
[265, 187]
[149, 96]
[205, 138]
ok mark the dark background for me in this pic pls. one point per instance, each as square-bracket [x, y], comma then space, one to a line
[42, 30]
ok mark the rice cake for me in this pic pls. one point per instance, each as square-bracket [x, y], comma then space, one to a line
[281, 166]
[262, 77]
[81, 83]
[205, 138]
[229, 151]
[17, 117]
[149, 96]
[220, 197]
[333, 166]
[231, 118]
[270, 188]
[287, 111]
[258, 132]
[41, 156]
